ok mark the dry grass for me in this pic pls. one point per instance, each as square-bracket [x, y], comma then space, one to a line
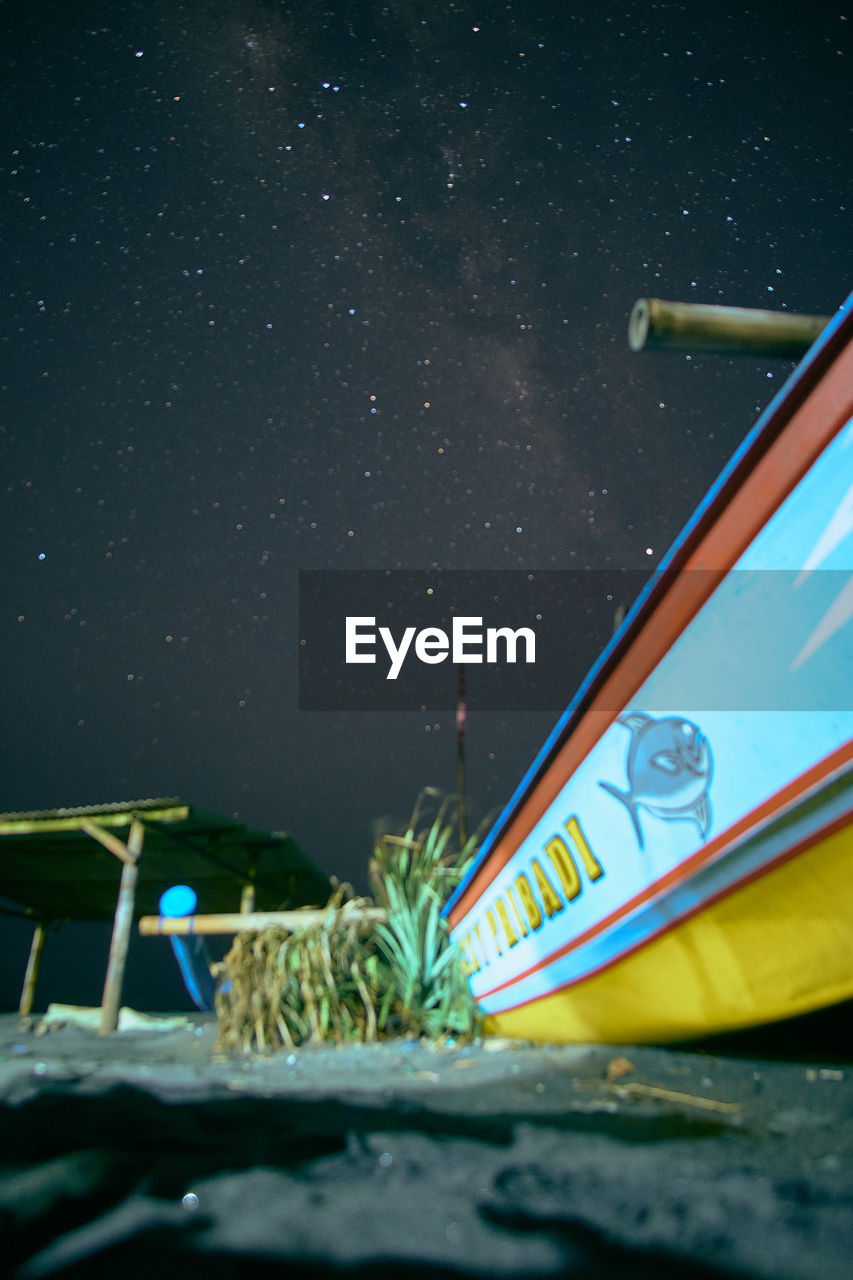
[348, 980]
[286, 989]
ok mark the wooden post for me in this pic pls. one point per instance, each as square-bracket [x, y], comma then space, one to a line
[28, 992]
[461, 717]
[121, 930]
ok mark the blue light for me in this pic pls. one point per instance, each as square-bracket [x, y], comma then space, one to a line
[178, 901]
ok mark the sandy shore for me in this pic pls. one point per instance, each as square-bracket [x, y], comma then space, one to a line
[147, 1152]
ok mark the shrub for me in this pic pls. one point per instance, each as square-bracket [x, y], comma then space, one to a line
[347, 979]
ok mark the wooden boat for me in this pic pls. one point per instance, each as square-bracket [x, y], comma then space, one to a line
[677, 860]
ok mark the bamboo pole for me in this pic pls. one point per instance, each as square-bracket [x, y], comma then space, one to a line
[690, 326]
[109, 841]
[71, 821]
[30, 977]
[121, 930]
[461, 717]
[237, 922]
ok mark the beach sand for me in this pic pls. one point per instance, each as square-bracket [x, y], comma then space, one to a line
[146, 1153]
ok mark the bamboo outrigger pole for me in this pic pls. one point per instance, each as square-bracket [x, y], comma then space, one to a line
[691, 326]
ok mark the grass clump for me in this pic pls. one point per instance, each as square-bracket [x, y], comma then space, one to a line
[349, 980]
[412, 877]
[285, 989]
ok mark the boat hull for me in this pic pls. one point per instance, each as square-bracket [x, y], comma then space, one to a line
[677, 860]
[778, 946]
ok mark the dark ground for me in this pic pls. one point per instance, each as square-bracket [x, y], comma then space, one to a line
[489, 1159]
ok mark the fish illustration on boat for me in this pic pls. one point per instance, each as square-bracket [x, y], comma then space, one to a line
[669, 770]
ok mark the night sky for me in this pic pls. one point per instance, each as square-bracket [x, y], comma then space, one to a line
[346, 286]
